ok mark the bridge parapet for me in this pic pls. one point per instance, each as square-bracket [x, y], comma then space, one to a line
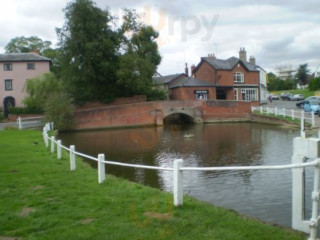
[153, 113]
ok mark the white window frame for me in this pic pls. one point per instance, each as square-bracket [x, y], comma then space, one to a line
[249, 94]
[238, 77]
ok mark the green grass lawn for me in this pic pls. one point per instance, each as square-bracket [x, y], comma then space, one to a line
[305, 92]
[40, 198]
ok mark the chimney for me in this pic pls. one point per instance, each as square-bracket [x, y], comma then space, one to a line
[211, 56]
[186, 70]
[243, 54]
[35, 52]
[192, 69]
[252, 60]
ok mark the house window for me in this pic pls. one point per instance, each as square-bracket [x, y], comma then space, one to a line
[31, 66]
[249, 94]
[7, 66]
[201, 94]
[8, 84]
[238, 77]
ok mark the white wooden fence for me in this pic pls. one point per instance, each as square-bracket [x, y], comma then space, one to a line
[303, 149]
[291, 113]
[30, 122]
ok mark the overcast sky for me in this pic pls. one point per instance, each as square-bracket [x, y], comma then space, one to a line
[275, 32]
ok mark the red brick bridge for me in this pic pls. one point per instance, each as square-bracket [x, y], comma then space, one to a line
[154, 113]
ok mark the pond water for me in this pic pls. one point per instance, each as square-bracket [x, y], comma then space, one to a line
[262, 194]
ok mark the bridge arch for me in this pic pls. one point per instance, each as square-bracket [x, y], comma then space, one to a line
[179, 118]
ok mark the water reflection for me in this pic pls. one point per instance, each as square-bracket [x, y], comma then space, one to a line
[262, 194]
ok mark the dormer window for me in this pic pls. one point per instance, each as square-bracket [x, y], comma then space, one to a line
[7, 66]
[238, 77]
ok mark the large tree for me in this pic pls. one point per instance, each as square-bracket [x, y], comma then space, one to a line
[27, 44]
[302, 74]
[89, 47]
[140, 57]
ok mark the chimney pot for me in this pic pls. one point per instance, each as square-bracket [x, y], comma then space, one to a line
[243, 54]
[192, 70]
[252, 60]
[186, 70]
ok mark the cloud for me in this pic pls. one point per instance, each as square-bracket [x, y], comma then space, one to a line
[274, 31]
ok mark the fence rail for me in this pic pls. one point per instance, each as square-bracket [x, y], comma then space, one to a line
[30, 122]
[303, 148]
[291, 113]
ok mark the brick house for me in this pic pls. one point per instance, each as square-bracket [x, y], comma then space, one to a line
[15, 69]
[233, 78]
[217, 79]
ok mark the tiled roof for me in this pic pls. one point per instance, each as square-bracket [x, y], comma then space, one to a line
[166, 79]
[191, 82]
[22, 57]
[228, 64]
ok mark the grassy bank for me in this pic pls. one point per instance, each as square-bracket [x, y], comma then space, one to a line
[41, 199]
[305, 92]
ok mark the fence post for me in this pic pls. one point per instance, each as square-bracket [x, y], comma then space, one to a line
[72, 158]
[284, 112]
[19, 123]
[59, 149]
[276, 111]
[52, 144]
[302, 132]
[303, 148]
[101, 168]
[267, 110]
[177, 182]
[46, 139]
[261, 110]
[312, 119]
[292, 114]
[315, 202]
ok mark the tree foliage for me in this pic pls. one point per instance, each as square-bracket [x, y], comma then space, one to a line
[314, 84]
[27, 44]
[88, 52]
[302, 74]
[47, 94]
[140, 59]
[277, 84]
[100, 61]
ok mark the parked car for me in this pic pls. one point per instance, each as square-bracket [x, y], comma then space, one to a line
[297, 97]
[312, 106]
[286, 96]
[300, 103]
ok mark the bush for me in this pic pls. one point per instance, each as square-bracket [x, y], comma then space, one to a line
[314, 84]
[59, 109]
[156, 94]
[25, 110]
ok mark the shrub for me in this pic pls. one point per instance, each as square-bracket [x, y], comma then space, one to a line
[314, 84]
[25, 110]
[59, 109]
[156, 94]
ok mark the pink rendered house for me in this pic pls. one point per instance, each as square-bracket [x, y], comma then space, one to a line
[15, 69]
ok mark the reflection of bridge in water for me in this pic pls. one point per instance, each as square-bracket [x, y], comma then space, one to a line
[154, 113]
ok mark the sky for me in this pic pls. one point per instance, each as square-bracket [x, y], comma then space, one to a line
[276, 32]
